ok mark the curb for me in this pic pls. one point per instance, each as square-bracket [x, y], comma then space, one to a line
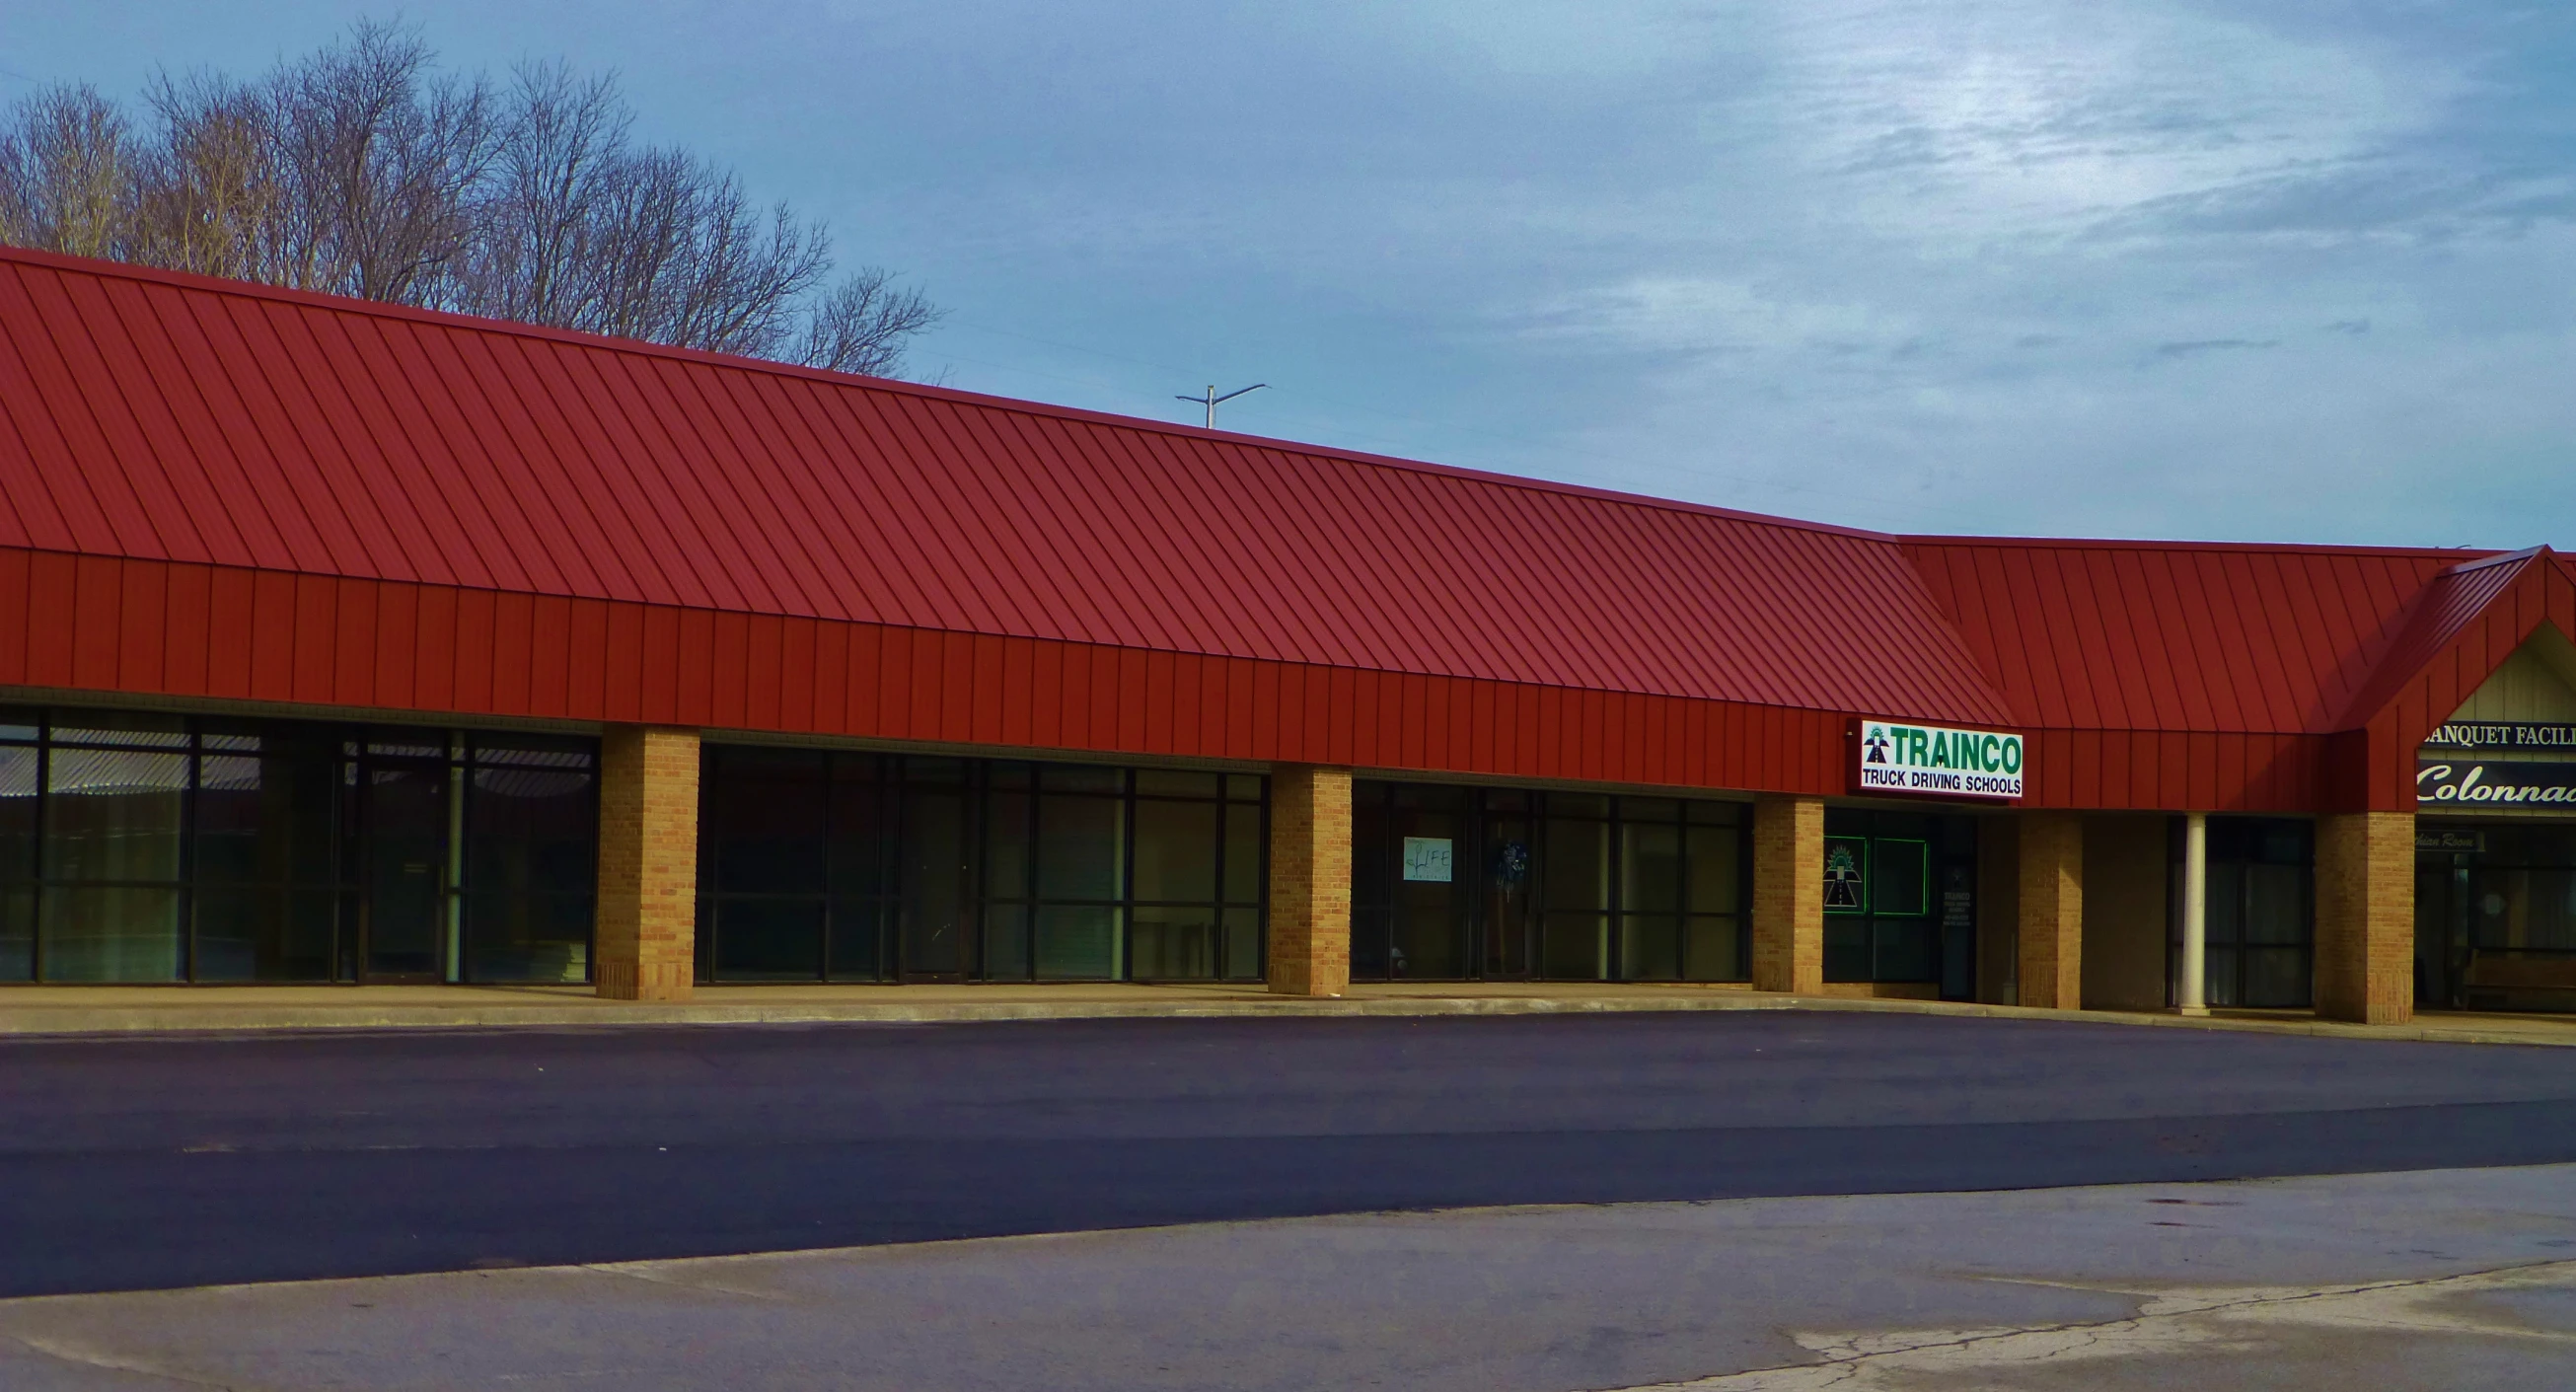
[111, 1021]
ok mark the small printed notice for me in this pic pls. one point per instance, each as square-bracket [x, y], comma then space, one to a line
[1426, 858]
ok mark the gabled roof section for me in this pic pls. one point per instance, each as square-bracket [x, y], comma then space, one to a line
[2466, 623]
[159, 416]
[2174, 636]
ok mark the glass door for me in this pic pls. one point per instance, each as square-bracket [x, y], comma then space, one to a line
[402, 816]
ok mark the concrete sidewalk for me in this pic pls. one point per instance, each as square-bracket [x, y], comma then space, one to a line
[57, 1010]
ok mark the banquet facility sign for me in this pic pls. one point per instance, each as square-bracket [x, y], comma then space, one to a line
[1933, 760]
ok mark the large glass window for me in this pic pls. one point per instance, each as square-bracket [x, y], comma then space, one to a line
[143, 846]
[1510, 883]
[2261, 922]
[531, 859]
[267, 878]
[2495, 905]
[979, 869]
[1899, 891]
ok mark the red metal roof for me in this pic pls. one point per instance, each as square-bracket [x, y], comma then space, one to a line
[158, 416]
[905, 562]
[2177, 636]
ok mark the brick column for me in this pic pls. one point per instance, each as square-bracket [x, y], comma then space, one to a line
[648, 864]
[2052, 910]
[1310, 880]
[1789, 894]
[2366, 917]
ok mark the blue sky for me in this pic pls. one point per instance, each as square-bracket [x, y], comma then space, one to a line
[2095, 267]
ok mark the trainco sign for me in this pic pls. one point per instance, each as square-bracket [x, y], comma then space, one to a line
[1890, 756]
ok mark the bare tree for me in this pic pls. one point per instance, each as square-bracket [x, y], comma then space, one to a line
[208, 192]
[383, 159]
[562, 146]
[863, 325]
[363, 170]
[681, 257]
[66, 169]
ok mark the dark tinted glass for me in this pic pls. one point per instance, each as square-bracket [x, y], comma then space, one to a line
[857, 853]
[101, 933]
[1175, 850]
[1243, 854]
[1172, 943]
[1574, 946]
[769, 939]
[1076, 942]
[1081, 847]
[530, 872]
[1007, 863]
[859, 951]
[767, 815]
[1650, 947]
[1169, 783]
[1577, 870]
[268, 818]
[1712, 854]
[1006, 942]
[1650, 867]
[17, 932]
[264, 934]
[1713, 948]
[113, 815]
[1243, 944]
[1081, 778]
[18, 803]
[1898, 884]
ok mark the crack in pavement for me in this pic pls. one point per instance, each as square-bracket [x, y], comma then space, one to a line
[2170, 1322]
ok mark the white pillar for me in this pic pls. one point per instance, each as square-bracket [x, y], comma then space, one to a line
[2195, 914]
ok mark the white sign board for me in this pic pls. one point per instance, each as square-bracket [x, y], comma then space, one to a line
[1937, 761]
[1426, 858]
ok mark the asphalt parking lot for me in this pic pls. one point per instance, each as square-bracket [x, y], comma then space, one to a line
[142, 1163]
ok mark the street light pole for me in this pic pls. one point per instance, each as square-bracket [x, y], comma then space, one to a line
[1211, 399]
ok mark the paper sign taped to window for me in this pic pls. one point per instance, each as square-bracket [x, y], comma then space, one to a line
[1426, 858]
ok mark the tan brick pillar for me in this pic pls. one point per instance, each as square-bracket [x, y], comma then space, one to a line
[1789, 894]
[2366, 917]
[1310, 880]
[648, 864]
[2051, 919]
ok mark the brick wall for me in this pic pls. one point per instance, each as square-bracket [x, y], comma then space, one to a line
[2050, 899]
[648, 863]
[2366, 917]
[1789, 894]
[1310, 880]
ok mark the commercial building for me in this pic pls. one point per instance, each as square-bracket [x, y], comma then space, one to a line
[345, 643]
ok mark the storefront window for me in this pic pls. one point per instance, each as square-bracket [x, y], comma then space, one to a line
[531, 867]
[2495, 905]
[1452, 882]
[977, 869]
[266, 883]
[141, 846]
[1899, 891]
[2261, 915]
